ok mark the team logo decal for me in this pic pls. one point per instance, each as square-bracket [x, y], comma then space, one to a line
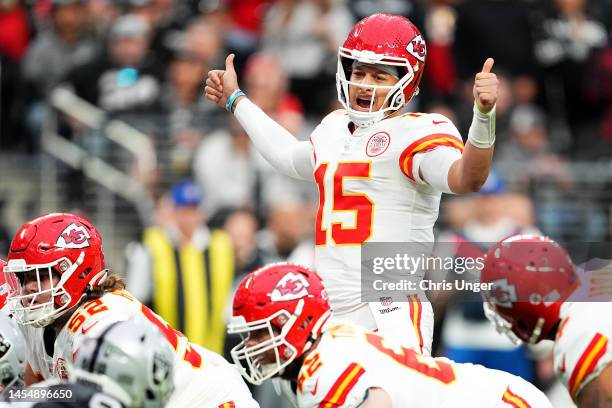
[503, 293]
[73, 236]
[378, 144]
[417, 48]
[291, 286]
[60, 368]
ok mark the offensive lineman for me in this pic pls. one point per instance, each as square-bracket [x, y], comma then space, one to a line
[60, 290]
[282, 312]
[380, 173]
[535, 268]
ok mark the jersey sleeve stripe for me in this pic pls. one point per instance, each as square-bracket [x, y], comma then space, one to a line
[514, 400]
[229, 404]
[425, 144]
[415, 315]
[587, 362]
[343, 386]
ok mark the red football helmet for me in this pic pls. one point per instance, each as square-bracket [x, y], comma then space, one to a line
[52, 262]
[382, 39]
[290, 303]
[531, 277]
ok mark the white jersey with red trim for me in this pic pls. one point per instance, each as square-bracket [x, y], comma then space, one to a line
[349, 360]
[202, 377]
[582, 347]
[371, 190]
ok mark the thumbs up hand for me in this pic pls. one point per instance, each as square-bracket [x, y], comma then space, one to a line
[485, 87]
[220, 84]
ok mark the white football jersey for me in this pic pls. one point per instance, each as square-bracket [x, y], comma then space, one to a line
[349, 360]
[582, 347]
[370, 190]
[202, 377]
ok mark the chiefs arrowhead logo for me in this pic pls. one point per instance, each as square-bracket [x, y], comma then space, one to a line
[291, 286]
[73, 236]
[417, 48]
[503, 294]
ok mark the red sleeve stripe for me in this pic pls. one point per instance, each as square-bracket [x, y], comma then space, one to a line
[342, 387]
[425, 144]
[587, 362]
[514, 400]
[229, 404]
[415, 315]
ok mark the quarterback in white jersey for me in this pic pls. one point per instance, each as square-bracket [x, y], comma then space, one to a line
[540, 269]
[60, 292]
[283, 314]
[380, 174]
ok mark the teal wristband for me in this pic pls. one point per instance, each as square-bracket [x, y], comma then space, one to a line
[232, 99]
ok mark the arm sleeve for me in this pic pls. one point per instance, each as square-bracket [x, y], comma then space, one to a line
[432, 167]
[279, 147]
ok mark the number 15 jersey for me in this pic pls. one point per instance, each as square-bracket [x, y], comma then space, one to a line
[371, 190]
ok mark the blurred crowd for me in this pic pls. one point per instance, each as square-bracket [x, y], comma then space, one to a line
[144, 62]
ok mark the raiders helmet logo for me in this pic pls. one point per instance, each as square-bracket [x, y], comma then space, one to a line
[417, 48]
[73, 236]
[291, 286]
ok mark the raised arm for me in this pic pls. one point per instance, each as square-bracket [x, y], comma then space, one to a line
[279, 147]
[471, 171]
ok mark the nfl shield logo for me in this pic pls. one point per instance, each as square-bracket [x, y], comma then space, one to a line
[386, 301]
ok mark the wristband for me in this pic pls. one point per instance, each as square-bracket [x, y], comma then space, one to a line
[482, 129]
[232, 99]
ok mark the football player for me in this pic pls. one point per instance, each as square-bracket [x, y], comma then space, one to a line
[12, 354]
[380, 173]
[127, 364]
[61, 290]
[532, 280]
[282, 312]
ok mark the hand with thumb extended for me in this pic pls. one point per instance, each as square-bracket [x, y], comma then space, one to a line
[485, 87]
[220, 84]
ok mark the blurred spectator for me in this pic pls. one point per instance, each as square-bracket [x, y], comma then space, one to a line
[305, 35]
[530, 145]
[64, 45]
[229, 170]
[102, 14]
[54, 52]
[267, 86]
[493, 28]
[244, 25]
[184, 270]
[167, 19]
[15, 34]
[440, 71]
[242, 226]
[189, 117]
[567, 41]
[288, 235]
[125, 78]
[598, 92]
